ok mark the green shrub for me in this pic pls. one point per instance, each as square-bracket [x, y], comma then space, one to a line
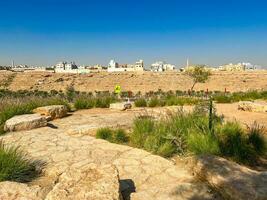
[120, 136]
[15, 166]
[222, 99]
[203, 143]
[105, 134]
[256, 138]
[84, 102]
[103, 102]
[234, 144]
[167, 149]
[153, 102]
[140, 102]
[142, 127]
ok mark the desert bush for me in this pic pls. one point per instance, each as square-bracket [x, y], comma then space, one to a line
[203, 143]
[120, 136]
[256, 138]
[105, 134]
[15, 166]
[151, 136]
[222, 98]
[181, 101]
[70, 93]
[234, 143]
[140, 102]
[84, 102]
[155, 102]
[103, 102]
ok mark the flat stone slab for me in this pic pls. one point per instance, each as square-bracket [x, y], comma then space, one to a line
[252, 106]
[15, 191]
[25, 122]
[90, 182]
[54, 111]
[121, 106]
[233, 181]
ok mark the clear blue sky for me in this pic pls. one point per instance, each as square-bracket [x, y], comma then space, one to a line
[207, 31]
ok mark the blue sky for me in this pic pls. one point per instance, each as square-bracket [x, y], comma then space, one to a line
[206, 31]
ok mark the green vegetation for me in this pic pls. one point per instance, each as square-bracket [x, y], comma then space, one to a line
[140, 102]
[170, 100]
[239, 96]
[15, 166]
[197, 132]
[105, 134]
[89, 101]
[116, 136]
[241, 146]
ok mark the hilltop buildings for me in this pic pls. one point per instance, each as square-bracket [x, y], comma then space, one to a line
[113, 66]
[238, 67]
[161, 66]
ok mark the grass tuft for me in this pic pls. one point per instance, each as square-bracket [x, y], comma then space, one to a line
[15, 166]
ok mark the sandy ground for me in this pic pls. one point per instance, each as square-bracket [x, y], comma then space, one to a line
[125, 118]
[141, 81]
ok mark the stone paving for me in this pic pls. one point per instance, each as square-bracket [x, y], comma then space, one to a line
[143, 176]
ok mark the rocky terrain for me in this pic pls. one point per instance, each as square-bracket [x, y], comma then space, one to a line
[77, 166]
[144, 81]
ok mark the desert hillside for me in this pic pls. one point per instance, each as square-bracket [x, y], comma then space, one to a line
[144, 82]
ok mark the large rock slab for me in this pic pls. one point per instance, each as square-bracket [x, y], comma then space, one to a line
[252, 106]
[19, 191]
[91, 182]
[54, 111]
[233, 181]
[25, 122]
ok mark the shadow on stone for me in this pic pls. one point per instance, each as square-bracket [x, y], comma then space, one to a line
[127, 187]
[52, 126]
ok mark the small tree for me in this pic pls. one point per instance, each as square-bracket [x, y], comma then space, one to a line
[199, 75]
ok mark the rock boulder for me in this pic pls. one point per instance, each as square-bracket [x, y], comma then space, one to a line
[25, 122]
[90, 182]
[252, 106]
[54, 111]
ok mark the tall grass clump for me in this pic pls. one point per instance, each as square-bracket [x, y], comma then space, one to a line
[116, 136]
[200, 143]
[103, 102]
[105, 134]
[84, 102]
[239, 145]
[141, 102]
[256, 138]
[15, 166]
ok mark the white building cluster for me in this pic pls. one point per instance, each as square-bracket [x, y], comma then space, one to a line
[238, 67]
[113, 66]
[161, 66]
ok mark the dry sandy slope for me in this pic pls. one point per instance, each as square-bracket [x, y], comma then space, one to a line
[144, 81]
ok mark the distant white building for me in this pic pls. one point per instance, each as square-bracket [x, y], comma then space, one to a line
[161, 66]
[66, 66]
[238, 67]
[113, 66]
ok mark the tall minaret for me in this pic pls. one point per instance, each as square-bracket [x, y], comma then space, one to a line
[13, 64]
[187, 63]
